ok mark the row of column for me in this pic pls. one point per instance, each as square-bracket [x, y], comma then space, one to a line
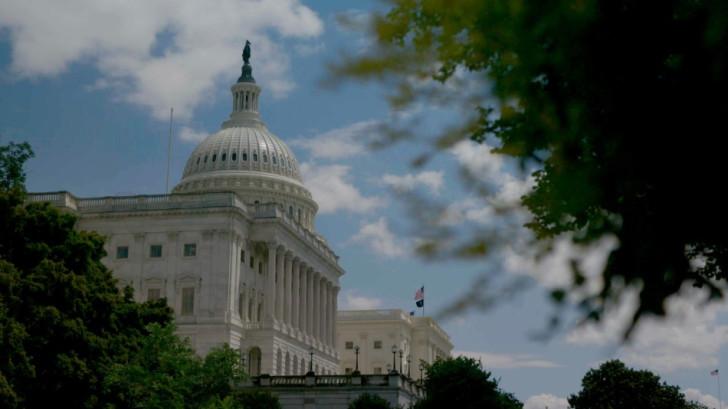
[301, 298]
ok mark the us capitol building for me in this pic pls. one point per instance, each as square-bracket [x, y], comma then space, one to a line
[233, 249]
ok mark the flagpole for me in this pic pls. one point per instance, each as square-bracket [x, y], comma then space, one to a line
[720, 400]
[423, 301]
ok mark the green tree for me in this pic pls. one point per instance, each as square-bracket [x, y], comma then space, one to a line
[615, 386]
[166, 373]
[462, 383]
[369, 401]
[248, 399]
[618, 103]
[63, 322]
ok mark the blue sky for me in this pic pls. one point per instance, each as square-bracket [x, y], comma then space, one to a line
[90, 84]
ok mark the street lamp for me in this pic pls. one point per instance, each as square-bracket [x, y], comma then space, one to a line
[310, 363]
[400, 361]
[356, 351]
[394, 358]
[409, 366]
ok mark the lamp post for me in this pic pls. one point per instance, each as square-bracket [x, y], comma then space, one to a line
[356, 351]
[394, 358]
[409, 366]
[401, 369]
[310, 363]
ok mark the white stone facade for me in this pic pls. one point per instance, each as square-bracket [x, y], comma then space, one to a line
[233, 249]
[376, 332]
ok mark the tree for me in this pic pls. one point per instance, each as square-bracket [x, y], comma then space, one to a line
[63, 322]
[369, 401]
[615, 386]
[462, 383]
[256, 399]
[166, 373]
[617, 103]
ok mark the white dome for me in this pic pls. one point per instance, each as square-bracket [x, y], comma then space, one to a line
[243, 149]
[246, 158]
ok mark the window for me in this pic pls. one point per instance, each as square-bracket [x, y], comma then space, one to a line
[290, 211]
[255, 156]
[235, 156]
[377, 344]
[377, 370]
[260, 267]
[214, 157]
[274, 159]
[122, 252]
[265, 158]
[245, 156]
[198, 160]
[347, 371]
[188, 301]
[153, 294]
[242, 256]
[155, 250]
[260, 311]
[349, 345]
[223, 157]
[252, 262]
[205, 158]
[190, 250]
[241, 305]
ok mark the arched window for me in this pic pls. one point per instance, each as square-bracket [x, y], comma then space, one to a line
[198, 160]
[290, 211]
[205, 158]
[255, 156]
[273, 157]
[279, 362]
[299, 215]
[235, 156]
[214, 157]
[254, 358]
[223, 157]
[265, 158]
[245, 156]
[260, 311]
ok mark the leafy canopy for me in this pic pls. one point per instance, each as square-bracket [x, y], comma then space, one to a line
[462, 383]
[63, 322]
[369, 401]
[620, 104]
[615, 386]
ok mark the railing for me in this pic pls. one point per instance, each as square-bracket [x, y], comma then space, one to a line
[139, 202]
[390, 380]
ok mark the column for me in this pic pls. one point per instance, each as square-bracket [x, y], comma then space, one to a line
[335, 311]
[329, 318]
[317, 307]
[296, 287]
[270, 296]
[304, 295]
[324, 306]
[310, 301]
[288, 283]
[279, 285]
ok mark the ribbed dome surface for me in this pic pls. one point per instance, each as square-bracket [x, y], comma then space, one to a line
[250, 148]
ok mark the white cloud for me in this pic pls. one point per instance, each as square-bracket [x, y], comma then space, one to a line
[479, 161]
[432, 180]
[689, 338]
[126, 41]
[507, 361]
[341, 142]
[191, 135]
[545, 400]
[333, 191]
[708, 400]
[354, 301]
[380, 239]
[309, 49]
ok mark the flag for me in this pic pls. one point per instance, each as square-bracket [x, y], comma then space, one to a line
[714, 373]
[420, 297]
